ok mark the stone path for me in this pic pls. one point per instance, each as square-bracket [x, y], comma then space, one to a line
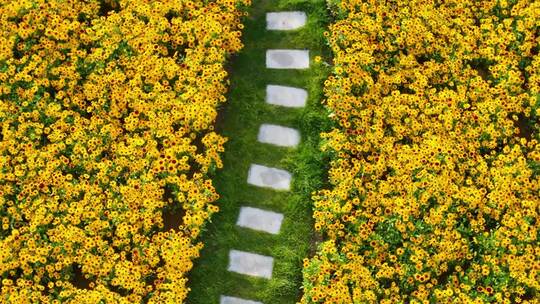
[253, 264]
[286, 96]
[268, 177]
[285, 20]
[278, 135]
[261, 220]
[233, 300]
[287, 59]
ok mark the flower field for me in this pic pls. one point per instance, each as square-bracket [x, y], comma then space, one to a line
[435, 171]
[106, 112]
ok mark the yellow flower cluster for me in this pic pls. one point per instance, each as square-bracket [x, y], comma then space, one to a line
[434, 191]
[107, 110]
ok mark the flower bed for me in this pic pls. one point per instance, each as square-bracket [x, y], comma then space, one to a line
[435, 172]
[106, 145]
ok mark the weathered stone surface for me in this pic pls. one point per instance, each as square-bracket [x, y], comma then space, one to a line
[287, 59]
[233, 300]
[284, 21]
[286, 96]
[263, 176]
[251, 264]
[278, 135]
[260, 220]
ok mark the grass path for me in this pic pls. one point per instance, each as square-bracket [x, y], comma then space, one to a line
[245, 111]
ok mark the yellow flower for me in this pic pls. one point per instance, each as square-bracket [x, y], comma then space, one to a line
[101, 143]
[433, 174]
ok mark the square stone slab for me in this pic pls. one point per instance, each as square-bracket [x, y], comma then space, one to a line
[267, 177]
[251, 264]
[286, 96]
[261, 220]
[233, 300]
[278, 135]
[283, 21]
[287, 59]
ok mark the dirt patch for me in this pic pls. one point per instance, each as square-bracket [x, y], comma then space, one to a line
[79, 280]
[525, 126]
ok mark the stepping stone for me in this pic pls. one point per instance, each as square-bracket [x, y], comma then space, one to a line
[283, 21]
[261, 220]
[286, 96]
[233, 300]
[267, 177]
[287, 59]
[278, 135]
[251, 264]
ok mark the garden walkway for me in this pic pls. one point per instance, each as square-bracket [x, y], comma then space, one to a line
[261, 176]
[255, 245]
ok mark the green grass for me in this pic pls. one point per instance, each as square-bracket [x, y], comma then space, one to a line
[245, 111]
